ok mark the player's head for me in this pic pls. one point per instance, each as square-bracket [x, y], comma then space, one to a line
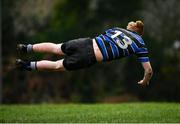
[137, 26]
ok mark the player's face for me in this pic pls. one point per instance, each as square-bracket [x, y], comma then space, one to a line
[131, 25]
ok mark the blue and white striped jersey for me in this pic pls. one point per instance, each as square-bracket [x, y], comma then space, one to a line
[117, 43]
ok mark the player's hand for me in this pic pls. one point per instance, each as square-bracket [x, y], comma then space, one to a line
[143, 83]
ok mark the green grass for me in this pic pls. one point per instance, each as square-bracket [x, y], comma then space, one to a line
[126, 112]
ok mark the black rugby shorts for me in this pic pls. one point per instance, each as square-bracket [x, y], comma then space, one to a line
[79, 53]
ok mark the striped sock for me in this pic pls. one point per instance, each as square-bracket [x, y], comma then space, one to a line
[33, 65]
[29, 48]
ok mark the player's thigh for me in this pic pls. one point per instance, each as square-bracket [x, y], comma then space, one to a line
[59, 65]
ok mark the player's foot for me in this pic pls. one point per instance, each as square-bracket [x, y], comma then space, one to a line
[22, 48]
[23, 65]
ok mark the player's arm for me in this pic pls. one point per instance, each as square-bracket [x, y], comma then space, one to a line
[148, 72]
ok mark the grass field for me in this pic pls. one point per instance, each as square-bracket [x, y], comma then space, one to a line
[125, 112]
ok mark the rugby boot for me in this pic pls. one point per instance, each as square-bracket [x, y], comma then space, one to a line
[23, 65]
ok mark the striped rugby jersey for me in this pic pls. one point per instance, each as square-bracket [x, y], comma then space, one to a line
[117, 43]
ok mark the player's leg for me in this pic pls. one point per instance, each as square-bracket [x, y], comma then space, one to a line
[46, 65]
[43, 65]
[48, 48]
[41, 48]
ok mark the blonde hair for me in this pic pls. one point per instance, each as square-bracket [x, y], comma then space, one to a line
[140, 27]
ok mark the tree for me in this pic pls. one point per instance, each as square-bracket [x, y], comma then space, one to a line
[162, 25]
[0, 57]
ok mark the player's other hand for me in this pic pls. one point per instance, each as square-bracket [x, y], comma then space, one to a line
[143, 83]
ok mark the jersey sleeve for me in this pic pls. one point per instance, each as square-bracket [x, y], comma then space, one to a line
[142, 55]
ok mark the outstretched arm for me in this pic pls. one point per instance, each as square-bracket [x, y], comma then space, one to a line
[148, 72]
